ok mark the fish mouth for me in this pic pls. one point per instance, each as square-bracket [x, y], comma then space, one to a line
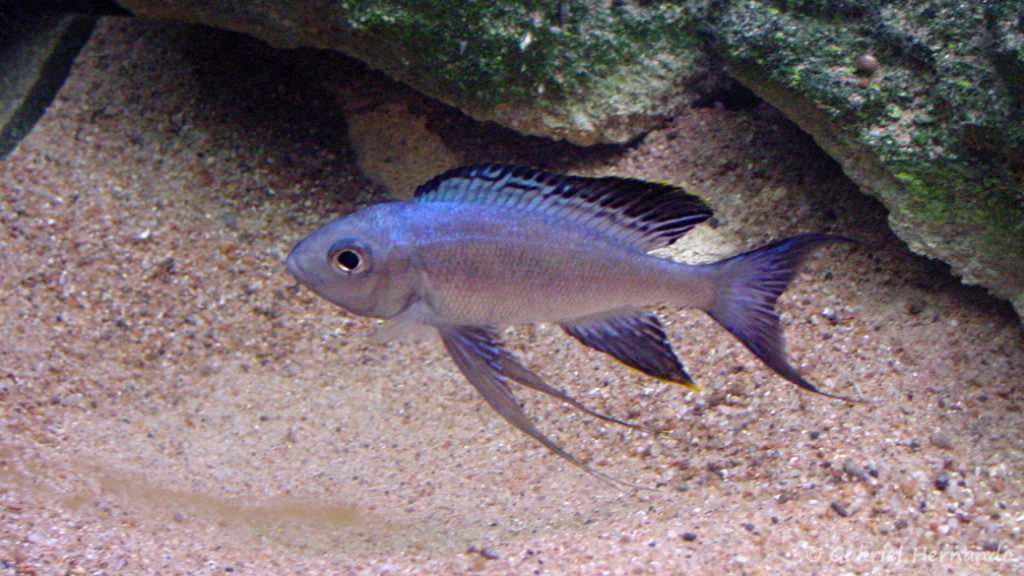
[292, 262]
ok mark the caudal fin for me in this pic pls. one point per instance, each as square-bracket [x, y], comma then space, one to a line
[745, 296]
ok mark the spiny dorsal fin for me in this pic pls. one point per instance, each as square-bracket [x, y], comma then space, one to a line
[647, 215]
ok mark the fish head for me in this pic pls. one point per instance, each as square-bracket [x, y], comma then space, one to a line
[357, 262]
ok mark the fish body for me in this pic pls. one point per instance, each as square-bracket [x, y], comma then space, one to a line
[491, 245]
[463, 264]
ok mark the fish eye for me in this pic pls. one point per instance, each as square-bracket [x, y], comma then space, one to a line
[349, 258]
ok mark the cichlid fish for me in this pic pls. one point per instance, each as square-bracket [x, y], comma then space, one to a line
[490, 245]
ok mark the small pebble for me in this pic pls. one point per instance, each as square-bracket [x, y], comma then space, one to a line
[840, 509]
[830, 315]
[867, 64]
[484, 552]
[689, 536]
[942, 481]
[851, 467]
[915, 307]
[990, 546]
[941, 441]
[230, 220]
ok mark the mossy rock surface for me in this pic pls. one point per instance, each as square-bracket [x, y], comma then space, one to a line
[920, 101]
[589, 72]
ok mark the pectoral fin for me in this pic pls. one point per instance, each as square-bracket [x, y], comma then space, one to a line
[478, 354]
[636, 339]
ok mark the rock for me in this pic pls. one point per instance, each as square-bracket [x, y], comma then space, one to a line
[919, 102]
[36, 52]
[585, 71]
[936, 131]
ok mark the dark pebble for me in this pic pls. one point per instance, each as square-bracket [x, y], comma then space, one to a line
[840, 509]
[942, 481]
[915, 307]
[689, 536]
[484, 551]
[815, 434]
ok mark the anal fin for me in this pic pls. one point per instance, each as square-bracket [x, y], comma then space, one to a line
[635, 338]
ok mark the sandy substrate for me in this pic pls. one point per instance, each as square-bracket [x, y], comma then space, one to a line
[171, 401]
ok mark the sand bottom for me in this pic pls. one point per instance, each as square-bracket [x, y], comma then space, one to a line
[171, 401]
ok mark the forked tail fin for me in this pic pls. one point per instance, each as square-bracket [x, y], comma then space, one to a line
[745, 296]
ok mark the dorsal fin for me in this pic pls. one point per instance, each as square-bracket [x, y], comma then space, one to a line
[647, 215]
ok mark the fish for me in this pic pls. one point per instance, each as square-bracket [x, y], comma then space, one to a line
[491, 245]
